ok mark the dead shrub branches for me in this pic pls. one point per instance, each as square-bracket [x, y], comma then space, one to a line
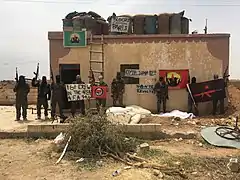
[95, 136]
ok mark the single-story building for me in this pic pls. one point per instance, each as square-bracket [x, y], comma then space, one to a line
[203, 55]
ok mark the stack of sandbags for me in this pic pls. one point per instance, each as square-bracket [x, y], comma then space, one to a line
[90, 21]
[185, 25]
[138, 24]
[164, 23]
[151, 22]
[176, 23]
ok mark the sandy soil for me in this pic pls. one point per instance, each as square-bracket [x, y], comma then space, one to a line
[35, 160]
[8, 116]
[28, 160]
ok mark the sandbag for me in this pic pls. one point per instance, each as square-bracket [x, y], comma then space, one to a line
[138, 24]
[184, 25]
[71, 15]
[175, 23]
[164, 23]
[151, 24]
[67, 23]
[93, 14]
[135, 119]
[98, 29]
[89, 22]
[81, 14]
[78, 23]
[105, 28]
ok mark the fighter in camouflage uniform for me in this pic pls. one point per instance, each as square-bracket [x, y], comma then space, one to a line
[57, 98]
[161, 91]
[80, 103]
[21, 89]
[44, 94]
[117, 90]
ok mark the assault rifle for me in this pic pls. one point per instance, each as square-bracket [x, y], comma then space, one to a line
[91, 76]
[37, 72]
[16, 78]
[225, 77]
[51, 72]
[191, 95]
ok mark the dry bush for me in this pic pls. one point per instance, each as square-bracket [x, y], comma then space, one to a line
[94, 136]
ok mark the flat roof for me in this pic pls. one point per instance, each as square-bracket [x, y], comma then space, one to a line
[58, 35]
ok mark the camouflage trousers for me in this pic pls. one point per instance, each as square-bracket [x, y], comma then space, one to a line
[100, 102]
[42, 102]
[161, 100]
[21, 104]
[117, 97]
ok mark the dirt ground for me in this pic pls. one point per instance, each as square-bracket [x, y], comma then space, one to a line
[7, 117]
[35, 159]
[199, 122]
[28, 160]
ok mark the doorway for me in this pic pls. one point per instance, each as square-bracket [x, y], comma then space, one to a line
[68, 73]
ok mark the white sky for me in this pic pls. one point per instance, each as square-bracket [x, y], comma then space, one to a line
[25, 23]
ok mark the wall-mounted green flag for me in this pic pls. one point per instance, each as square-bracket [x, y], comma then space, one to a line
[75, 39]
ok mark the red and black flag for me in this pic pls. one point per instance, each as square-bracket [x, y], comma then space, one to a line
[208, 90]
[176, 79]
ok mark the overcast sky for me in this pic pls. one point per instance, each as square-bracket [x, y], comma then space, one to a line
[25, 23]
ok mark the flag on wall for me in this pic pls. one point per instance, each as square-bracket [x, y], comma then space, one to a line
[99, 92]
[206, 91]
[176, 79]
[75, 39]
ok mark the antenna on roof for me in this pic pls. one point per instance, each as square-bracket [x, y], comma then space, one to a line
[205, 29]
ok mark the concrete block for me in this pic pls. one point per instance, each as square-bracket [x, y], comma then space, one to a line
[148, 128]
[46, 128]
[133, 128]
[158, 128]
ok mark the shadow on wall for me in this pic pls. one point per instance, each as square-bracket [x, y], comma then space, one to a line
[7, 96]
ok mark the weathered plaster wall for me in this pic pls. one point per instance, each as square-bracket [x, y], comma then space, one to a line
[203, 55]
[154, 56]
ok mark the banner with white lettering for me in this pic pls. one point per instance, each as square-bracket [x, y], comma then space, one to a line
[120, 24]
[76, 92]
[141, 88]
[138, 73]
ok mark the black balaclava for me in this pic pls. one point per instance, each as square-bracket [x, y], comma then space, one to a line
[161, 79]
[118, 75]
[22, 80]
[194, 80]
[215, 76]
[58, 79]
[44, 80]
